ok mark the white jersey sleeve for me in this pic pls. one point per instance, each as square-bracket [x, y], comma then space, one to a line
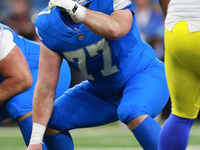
[6, 42]
[120, 4]
[183, 10]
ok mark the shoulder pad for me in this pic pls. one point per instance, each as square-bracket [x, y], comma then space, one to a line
[41, 21]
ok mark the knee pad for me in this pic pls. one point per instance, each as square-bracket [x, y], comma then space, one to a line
[17, 108]
[123, 112]
[127, 112]
[12, 110]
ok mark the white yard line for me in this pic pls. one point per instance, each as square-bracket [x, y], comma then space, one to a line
[193, 147]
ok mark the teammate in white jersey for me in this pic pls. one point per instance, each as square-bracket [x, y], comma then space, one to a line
[182, 55]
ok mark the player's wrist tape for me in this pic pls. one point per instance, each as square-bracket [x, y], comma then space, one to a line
[75, 10]
[80, 12]
[37, 134]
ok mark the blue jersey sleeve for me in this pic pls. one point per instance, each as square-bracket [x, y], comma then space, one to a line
[44, 29]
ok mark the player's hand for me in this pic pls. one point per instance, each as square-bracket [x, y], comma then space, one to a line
[51, 4]
[72, 8]
[35, 147]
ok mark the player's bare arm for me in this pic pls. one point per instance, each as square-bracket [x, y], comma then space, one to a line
[111, 27]
[49, 69]
[44, 94]
[164, 4]
[15, 70]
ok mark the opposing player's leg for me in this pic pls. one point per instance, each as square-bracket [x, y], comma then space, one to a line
[79, 107]
[144, 97]
[183, 76]
[175, 133]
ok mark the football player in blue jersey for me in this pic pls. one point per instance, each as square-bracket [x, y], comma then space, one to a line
[19, 60]
[125, 80]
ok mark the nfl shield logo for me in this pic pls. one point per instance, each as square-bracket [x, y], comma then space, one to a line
[80, 36]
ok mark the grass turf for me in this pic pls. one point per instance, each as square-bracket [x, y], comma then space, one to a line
[110, 137]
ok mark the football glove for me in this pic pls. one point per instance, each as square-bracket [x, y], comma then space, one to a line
[51, 4]
[72, 8]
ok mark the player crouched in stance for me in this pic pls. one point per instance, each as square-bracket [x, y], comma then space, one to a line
[126, 81]
[19, 60]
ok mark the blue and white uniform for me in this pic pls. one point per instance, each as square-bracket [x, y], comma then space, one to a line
[22, 103]
[113, 68]
[124, 78]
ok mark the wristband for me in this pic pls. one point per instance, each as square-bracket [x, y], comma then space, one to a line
[72, 8]
[78, 12]
[37, 134]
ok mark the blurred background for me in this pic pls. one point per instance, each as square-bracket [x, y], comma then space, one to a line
[20, 16]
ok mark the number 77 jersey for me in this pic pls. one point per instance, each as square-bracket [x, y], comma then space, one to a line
[107, 64]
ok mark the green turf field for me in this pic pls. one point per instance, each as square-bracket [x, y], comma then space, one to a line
[110, 137]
